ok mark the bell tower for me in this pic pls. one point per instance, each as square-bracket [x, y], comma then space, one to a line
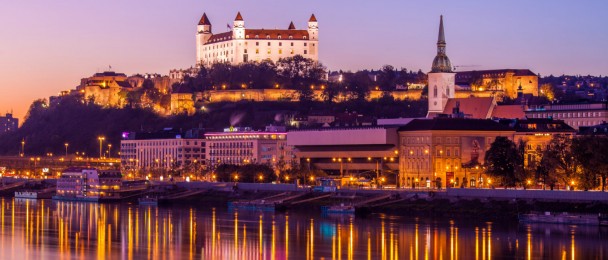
[238, 27]
[441, 78]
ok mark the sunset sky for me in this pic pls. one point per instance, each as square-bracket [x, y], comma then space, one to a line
[48, 46]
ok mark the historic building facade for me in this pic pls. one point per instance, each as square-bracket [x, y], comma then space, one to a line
[439, 151]
[244, 45]
[441, 77]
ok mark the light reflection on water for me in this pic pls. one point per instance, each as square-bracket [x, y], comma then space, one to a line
[68, 230]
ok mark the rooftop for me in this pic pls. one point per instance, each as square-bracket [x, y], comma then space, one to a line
[454, 124]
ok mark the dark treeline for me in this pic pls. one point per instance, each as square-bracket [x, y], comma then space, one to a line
[301, 74]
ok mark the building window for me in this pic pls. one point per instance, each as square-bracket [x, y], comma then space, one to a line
[257, 43]
[280, 43]
[279, 38]
[257, 51]
[305, 52]
[304, 37]
[291, 43]
[267, 36]
[245, 51]
[280, 51]
[291, 37]
[257, 36]
[291, 51]
[268, 51]
[305, 44]
[268, 43]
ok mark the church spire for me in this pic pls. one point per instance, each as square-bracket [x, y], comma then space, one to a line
[441, 63]
[441, 38]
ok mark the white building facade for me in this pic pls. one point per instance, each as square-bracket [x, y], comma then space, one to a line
[243, 146]
[161, 153]
[246, 45]
[441, 78]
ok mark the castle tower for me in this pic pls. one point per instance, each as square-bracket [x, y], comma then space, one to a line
[441, 77]
[203, 33]
[238, 27]
[313, 28]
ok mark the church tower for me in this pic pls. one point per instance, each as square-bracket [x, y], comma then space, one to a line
[238, 27]
[203, 33]
[441, 77]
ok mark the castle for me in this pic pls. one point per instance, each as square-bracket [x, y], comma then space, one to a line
[244, 45]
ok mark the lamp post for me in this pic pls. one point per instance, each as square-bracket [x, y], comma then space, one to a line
[101, 139]
[22, 147]
[66, 149]
[110, 151]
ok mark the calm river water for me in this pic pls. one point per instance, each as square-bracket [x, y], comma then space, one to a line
[47, 229]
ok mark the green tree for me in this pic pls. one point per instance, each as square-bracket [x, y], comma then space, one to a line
[504, 161]
[559, 161]
[592, 153]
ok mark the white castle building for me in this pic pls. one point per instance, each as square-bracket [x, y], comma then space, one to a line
[245, 45]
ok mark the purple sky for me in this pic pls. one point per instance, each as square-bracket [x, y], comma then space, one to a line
[47, 46]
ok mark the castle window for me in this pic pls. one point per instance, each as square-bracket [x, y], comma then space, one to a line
[268, 51]
[257, 43]
[247, 36]
[245, 51]
[280, 51]
[279, 37]
[268, 43]
[305, 44]
[435, 91]
[257, 51]
[280, 43]
[447, 92]
[292, 44]
[305, 52]
[304, 37]
[291, 51]
[313, 45]
[290, 37]
[257, 36]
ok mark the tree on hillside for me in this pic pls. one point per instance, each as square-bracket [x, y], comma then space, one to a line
[359, 85]
[592, 153]
[559, 160]
[387, 79]
[504, 162]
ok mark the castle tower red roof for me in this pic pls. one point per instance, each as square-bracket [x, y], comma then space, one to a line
[312, 18]
[238, 17]
[204, 20]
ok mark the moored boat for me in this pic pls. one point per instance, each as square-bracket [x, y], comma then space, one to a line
[561, 218]
[148, 201]
[32, 195]
[339, 209]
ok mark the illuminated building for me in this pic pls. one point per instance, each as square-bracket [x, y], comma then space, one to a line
[243, 145]
[87, 184]
[536, 134]
[8, 123]
[244, 45]
[161, 150]
[347, 150]
[439, 149]
[575, 115]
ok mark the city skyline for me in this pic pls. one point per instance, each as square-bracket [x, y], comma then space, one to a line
[46, 51]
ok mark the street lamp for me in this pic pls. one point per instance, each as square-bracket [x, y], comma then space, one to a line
[66, 149]
[101, 139]
[109, 151]
[22, 147]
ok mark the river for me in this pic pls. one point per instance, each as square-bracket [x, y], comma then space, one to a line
[46, 229]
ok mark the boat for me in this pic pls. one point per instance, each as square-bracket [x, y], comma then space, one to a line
[89, 185]
[259, 205]
[561, 218]
[148, 201]
[603, 218]
[32, 195]
[339, 209]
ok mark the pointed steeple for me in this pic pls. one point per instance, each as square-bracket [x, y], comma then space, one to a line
[441, 63]
[238, 17]
[204, 20]
[441, 38]
[312, 18]
[291, 26]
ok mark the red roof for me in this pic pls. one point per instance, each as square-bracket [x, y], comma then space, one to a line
[220, 37]
[509, 111]
[273, 34]
[472, 107]
[312, 18]
[204, 20]
[238, 17]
